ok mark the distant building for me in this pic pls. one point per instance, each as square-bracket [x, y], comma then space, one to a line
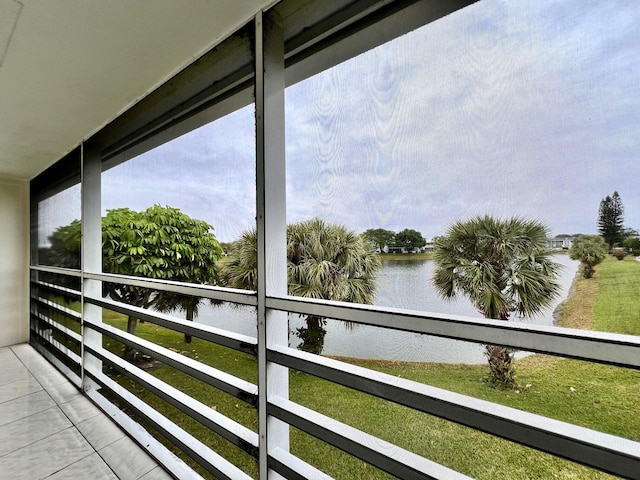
[395, 249]
[429, 247]
[561, 242]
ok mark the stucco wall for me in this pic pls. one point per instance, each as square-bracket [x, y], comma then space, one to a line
[14, 261]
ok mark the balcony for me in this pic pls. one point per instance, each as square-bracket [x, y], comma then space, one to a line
[48, 429]
[111, 381]
[94, 412]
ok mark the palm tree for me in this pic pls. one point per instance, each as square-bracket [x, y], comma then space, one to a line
[502, 266]
[325, 261]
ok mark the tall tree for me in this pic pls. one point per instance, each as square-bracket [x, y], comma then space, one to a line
[503, 267]
[632, 244]
[163, 243]
[590, 250]
[410, 239]
[160, 242]
[380, 237]
[198, 253]
[65, 246]
[323, 261]
[611, 219]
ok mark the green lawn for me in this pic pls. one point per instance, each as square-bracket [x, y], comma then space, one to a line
[616, 305]
[596, 396]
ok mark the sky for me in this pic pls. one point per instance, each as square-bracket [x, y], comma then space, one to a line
[504, 108]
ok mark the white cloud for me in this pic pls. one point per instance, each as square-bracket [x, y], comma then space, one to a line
[504, 108]
[515, 115]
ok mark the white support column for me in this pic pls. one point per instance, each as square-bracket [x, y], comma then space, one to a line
[273, 380]
[91, 256]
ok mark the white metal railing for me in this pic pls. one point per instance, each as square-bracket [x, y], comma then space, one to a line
[202, 454]
[586, 446]
[370, 449]
[601, 347]
[236, 341]
[579, 444]
[49, 329]
[232, 295]
[223, 426]
[283, 49]
[240, 389]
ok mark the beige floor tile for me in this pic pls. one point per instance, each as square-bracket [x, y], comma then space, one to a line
[24, 406]
[90, 468]
[31, 429]
[100, 431]
[80, 409]
[127, 459]
[19, 388]
[45, 457]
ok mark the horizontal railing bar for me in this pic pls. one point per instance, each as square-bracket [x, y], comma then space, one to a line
[292, 468]
[232, 295]
[237, 387]
[372, 450]
[62, 349]
[605, 452]
[70, 374]
[59, 288]
[59, 270]
[56, 306]
[236, 341]
[203, 455]
[608, 348]
[169, 461]
[67, 332]
[232, 431]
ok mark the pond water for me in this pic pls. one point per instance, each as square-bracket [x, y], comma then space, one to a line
[401, 284]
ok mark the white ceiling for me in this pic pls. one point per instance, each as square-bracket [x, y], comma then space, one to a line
[68, 67]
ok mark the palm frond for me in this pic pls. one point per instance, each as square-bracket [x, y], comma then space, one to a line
[502, 266]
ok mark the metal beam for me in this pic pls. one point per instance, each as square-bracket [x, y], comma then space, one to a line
[384, 455]
[56, 306]
[605, 452]
[57, 270]
[211, 461]
[236, 341]
[292, 468]
[601, 347]
[320, 36]
[271, 227]
[228, 429]
[242, 297]
[186, 98]
[67, 332]
[59, 289]
[241, 389]
[91, 254]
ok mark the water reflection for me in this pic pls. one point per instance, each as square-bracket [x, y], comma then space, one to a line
[402, 284]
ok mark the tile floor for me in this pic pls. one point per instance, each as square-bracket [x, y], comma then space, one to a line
[48, 429]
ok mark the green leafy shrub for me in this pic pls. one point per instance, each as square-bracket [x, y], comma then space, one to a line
[590, 250]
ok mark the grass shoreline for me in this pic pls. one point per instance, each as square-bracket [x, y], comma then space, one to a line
[591, 395]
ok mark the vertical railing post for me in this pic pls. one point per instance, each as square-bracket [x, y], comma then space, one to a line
[91, 255]
[33, 260]
[273, 329]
